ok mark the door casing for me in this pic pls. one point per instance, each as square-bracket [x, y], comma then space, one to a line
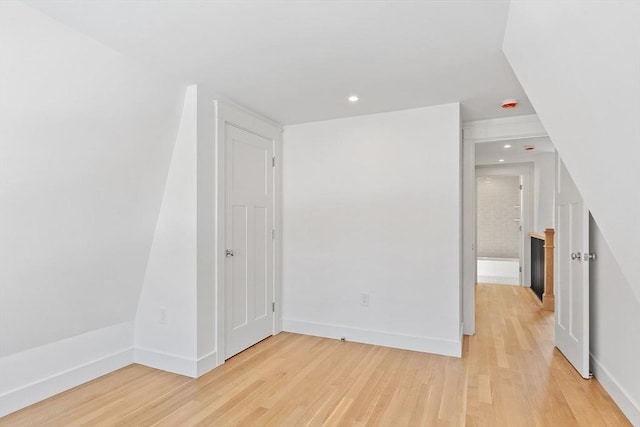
[477, 132]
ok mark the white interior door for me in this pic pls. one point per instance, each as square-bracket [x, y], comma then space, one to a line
[572, 274]
[249, 245]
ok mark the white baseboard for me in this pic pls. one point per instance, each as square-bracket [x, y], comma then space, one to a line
[499, 280]
[625, 402]
[166, 362]
[174, 363]
[468, 330]
[207, 363]
[385, 339]
[36, 374]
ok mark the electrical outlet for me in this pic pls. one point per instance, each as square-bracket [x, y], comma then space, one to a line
[364, 300]
[163, 316]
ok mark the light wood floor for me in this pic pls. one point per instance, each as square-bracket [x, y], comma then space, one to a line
[510, 375]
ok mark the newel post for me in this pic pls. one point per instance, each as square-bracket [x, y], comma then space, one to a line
[548, 301]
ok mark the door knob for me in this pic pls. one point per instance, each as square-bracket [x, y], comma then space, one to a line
[575, 255]
[228, 253]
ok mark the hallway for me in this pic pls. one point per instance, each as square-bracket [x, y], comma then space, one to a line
[509, 375]
[516, 377]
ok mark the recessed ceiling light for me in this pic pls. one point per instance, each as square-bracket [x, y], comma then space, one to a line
[501, 160]
[353, 98]
[507, 146]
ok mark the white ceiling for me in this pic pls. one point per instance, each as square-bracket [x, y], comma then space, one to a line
[297, 61]
[490, 153]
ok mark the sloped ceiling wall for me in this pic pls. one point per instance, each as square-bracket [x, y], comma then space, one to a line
[86, 137]
[170, 282]
[579, 63]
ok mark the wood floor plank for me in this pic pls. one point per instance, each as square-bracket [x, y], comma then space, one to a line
[509, 375]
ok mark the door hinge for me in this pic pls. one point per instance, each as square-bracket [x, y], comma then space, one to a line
[273, 161]
[520, 269]
[273, 307]
[273, 234]
[521, 186]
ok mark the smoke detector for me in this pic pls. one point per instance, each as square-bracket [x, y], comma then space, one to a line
[509, 104]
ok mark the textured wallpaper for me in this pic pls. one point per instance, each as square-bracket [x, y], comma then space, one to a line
[498, 208]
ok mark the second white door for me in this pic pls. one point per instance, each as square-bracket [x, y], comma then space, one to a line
[249, 244]
[572, 274]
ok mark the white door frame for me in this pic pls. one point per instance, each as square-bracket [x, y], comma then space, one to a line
[230, 114]
[476, 132]
[469, 244]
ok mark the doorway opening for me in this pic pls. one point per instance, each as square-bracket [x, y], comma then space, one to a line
[488, 152]
[555, 204]
[499, 229]
[504, 216]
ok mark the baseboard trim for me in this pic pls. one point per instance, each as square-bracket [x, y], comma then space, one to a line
[207, 363]
[17, 399]
[37, 374]
[166, 362]
[384, 339]
[499, 280]
[629, 407]
[174, 363]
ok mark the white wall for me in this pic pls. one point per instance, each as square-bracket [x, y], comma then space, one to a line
[371, 204]
[181, 272]
[615, 328]
[170, 282]
[86, 137]
[85, 150]
[579, 64]
[544, 191]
